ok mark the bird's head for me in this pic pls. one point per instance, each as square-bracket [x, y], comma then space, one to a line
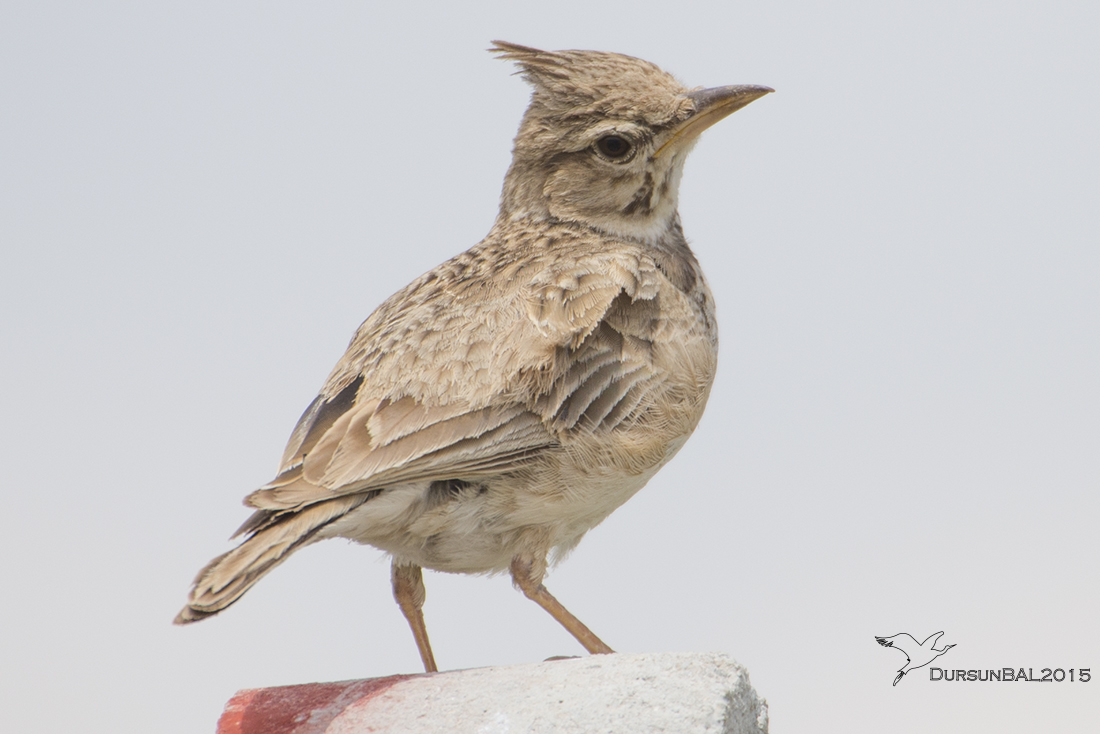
[604, 140]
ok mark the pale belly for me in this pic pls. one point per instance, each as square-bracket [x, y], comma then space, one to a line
[482, 528]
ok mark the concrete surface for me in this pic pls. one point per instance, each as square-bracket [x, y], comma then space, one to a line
[662, 692]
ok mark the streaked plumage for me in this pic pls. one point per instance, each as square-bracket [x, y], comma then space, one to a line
[503, 404]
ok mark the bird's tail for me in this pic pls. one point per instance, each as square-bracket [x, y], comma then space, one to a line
[226, 578]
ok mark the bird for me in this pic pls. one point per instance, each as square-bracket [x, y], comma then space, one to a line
[917, 654]
[488, 415]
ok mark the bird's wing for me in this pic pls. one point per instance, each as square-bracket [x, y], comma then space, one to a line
[903, 642]
[931, 640]
[437, 385]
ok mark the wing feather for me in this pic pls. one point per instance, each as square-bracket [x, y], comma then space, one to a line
[432, 388]
[356, 458]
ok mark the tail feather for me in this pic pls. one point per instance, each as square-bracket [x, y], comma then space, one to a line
[226, 578]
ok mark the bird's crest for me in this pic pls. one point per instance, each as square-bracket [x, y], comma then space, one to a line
[533, 63]
[575, 83]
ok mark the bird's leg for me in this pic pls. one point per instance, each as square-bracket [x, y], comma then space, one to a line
[527, 576]
[408, 590]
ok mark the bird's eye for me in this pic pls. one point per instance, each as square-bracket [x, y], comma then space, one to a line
[615, 147]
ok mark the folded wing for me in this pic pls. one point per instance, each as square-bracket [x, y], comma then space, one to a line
[571, 353]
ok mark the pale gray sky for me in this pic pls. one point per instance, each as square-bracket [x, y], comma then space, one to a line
[199, 203]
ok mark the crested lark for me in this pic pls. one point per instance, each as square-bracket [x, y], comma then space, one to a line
[500, 406]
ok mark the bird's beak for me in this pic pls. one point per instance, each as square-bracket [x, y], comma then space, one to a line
[712, 105]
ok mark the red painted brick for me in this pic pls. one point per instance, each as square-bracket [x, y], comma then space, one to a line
[302, 709]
